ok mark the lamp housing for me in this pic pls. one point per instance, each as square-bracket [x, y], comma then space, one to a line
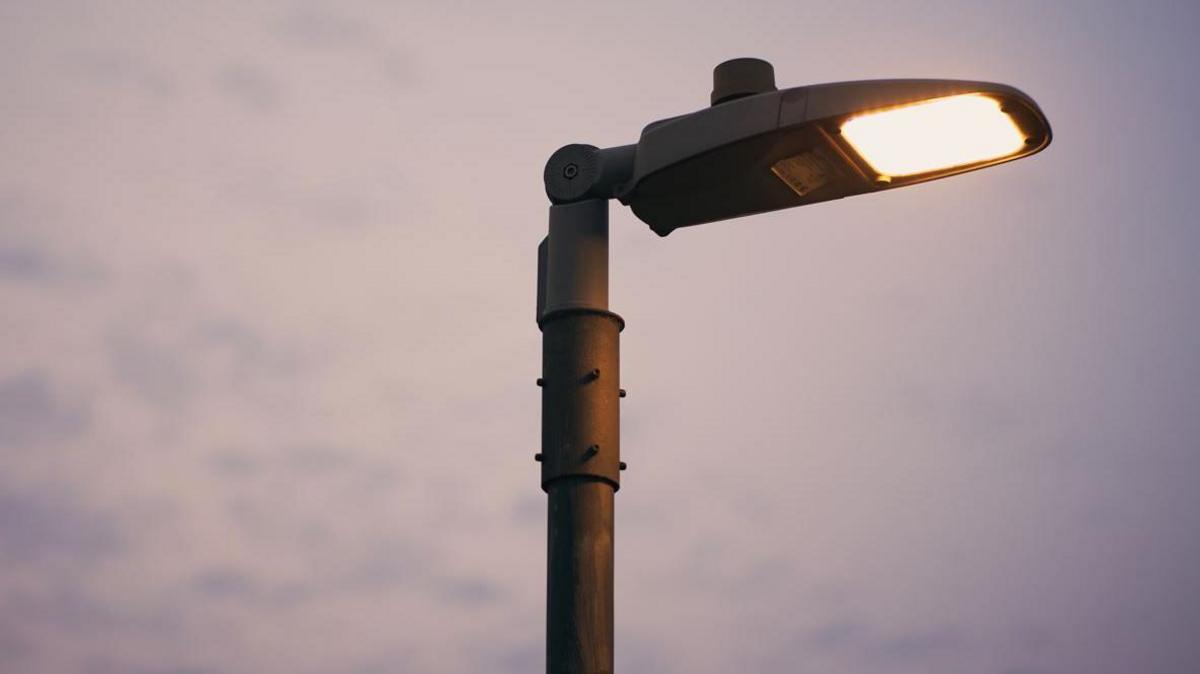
[767, 151]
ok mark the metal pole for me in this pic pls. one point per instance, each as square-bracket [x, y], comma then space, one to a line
[580, 436]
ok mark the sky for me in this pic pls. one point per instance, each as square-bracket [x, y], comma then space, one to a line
[267, 395]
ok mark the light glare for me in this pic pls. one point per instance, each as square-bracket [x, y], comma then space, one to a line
[936, 134]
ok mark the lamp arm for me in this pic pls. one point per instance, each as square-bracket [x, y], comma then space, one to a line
[578, 172]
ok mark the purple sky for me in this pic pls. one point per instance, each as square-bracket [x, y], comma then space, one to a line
[266, 391]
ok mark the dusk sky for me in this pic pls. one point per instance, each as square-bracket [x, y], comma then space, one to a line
[267, 399]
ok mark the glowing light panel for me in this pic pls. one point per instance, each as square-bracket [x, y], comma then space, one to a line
[932, 135]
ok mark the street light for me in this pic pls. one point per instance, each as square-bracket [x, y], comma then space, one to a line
[756, 149]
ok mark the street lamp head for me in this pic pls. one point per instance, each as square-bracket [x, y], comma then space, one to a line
[758, 149]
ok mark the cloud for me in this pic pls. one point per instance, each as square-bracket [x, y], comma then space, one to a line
[836, 635]
[33, 413]
[250, 86]
[917, 647]
[170, 361]
[399, 68]
[222, 583]
[23, 264]
[181, 670]
[309, 208]
[319, 28]
[305, 461]
[227, 584]
[528, 657]
[46, 526]
[28, 265]
[855, 640]
[35, 268]
[316, 458]
[108, 665]
[338, 210]
[242, 352]
[638, 653]
[386, 563]
[121, 70]
[470, 591]
[234, 464]
[69, 607]
[385, 664]
[529, 510]
[153, 370]
[15, 644]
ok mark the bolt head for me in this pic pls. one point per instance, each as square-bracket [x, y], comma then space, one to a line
[570, 171]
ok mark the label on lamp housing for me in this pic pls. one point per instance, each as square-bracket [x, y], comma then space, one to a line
[803, 172]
